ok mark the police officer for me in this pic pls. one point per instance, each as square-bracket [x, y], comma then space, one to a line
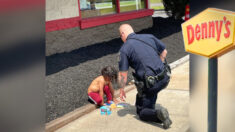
[145, 54]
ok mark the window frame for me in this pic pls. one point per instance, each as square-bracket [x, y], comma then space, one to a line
[84, 23]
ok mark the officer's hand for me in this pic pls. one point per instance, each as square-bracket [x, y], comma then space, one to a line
[122, 94]
[162, 59]
[163, 55]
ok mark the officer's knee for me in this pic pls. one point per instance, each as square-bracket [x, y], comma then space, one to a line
[138, 109]
[142, 116]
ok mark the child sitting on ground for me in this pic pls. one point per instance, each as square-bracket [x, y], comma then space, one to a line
[103, 85]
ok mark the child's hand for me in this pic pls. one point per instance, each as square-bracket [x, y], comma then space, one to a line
[102, 104]
[115, 101]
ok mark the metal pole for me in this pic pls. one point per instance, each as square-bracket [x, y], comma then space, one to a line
[212, 94]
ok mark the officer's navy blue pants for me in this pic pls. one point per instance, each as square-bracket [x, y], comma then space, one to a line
[145, 106]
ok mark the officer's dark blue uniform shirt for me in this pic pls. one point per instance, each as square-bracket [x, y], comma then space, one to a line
[141, 57]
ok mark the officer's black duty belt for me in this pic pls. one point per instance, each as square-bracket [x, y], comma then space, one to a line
[159, 76]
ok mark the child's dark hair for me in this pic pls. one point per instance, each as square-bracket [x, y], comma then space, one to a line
[110, 72]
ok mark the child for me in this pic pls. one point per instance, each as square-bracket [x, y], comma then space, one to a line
[103, 85]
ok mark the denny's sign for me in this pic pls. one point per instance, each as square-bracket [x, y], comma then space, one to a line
[210, 33]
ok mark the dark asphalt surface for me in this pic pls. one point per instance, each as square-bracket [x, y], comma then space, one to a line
[70, 74]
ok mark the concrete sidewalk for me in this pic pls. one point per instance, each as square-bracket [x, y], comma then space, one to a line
[175, 98]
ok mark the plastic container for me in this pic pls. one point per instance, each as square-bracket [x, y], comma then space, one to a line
[104, 110]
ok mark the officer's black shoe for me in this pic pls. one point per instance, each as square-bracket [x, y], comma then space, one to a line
[163, 115]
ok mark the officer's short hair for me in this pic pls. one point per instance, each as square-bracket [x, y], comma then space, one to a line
[110, 72]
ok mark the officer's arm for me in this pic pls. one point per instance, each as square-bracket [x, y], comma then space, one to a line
[122, 75]
[163, 55]
[112, 92]
[159, 44]
[122, 79]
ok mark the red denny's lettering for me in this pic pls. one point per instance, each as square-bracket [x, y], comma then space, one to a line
[211, 29]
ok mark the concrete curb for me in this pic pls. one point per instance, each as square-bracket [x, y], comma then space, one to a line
[67, 118]
[185, 129]
[71, 116]
[179, 62]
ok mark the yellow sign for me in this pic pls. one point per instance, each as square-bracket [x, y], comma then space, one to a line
[211, 33]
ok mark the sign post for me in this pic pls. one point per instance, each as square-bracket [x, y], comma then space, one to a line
[211, 33]
[212, 94]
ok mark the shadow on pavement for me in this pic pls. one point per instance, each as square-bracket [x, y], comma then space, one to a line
[131, 109]
[162, 27]
[128, 109]
[58, 62]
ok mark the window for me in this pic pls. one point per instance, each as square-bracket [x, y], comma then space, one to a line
[156, 4]
[60, 9]
[91, 8]
[131, 5]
